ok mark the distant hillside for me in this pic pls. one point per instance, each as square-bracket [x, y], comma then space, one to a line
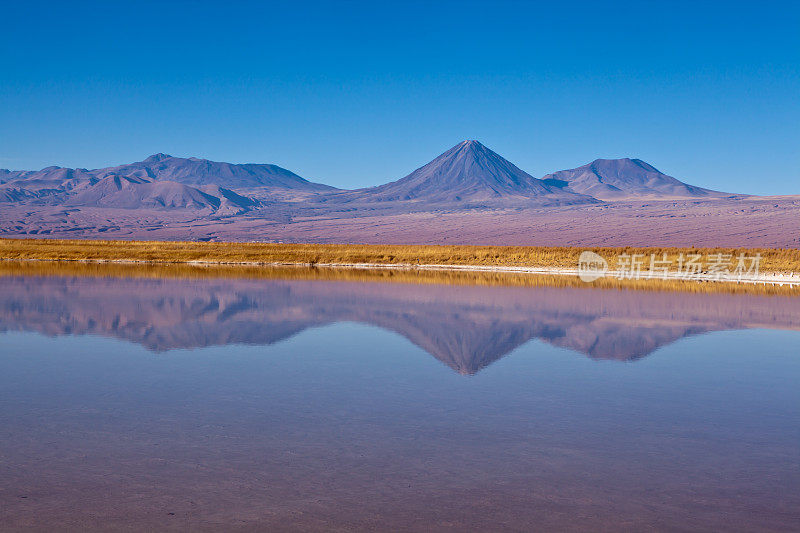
[617, 179]
[122, 192]
[160, 181]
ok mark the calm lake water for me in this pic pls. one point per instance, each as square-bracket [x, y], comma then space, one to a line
[153, 404]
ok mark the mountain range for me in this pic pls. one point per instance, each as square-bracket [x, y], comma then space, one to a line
[465, 175]
[159, 182]
[467, 195]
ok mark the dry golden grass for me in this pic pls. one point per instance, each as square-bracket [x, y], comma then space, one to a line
[218, 271]
[772, 260]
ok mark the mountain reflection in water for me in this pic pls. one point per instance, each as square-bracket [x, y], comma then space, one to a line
[464, 327]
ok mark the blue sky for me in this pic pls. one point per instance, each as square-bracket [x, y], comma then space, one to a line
[359, 93]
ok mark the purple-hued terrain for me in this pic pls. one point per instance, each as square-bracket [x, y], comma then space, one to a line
[467, 195]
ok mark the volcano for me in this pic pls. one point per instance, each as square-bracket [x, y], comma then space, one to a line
[470, 172]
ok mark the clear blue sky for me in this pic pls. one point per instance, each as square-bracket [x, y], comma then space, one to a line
[360, 93]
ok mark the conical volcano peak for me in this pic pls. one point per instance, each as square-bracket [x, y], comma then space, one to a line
[470, 172]
[468, 150]
[472, 145]
[472, 142]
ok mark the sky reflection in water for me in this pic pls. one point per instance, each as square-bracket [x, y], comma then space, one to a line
[310, 405]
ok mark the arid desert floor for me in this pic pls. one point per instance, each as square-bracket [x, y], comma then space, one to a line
[736, 222]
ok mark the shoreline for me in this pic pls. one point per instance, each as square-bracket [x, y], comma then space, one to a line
[780, 279]
[717, 266]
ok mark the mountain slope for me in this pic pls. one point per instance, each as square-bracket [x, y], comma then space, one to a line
[618, 179]
[14, 194]
[194, 171]
[160, 181]
[122, 192]
[469, 172]
[48, 180]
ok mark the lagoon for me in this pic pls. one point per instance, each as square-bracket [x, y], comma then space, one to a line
[220, 403]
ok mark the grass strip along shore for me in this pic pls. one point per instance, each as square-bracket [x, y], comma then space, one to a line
[150, 258]
[772, 260]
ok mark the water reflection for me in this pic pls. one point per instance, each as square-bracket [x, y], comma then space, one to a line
[349, 427]
[466, 328]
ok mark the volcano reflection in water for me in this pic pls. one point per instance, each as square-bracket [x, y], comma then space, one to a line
[466, 328]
